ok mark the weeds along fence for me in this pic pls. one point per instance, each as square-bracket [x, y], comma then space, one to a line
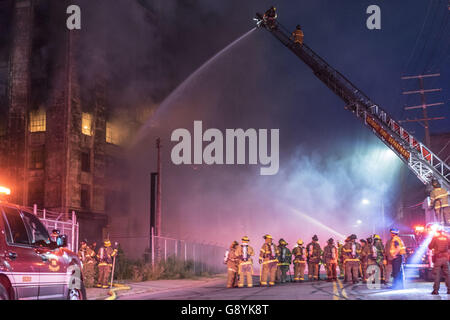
[204, 257]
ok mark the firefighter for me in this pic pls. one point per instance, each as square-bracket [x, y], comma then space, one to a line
[440, 244]
[244, 253]
[380, 258]
[297, 35]
[340, 260]
[351, 253]
[105, 259]
[232, 262]
[395, 250]
[268, 258]
[314, 254]
[270, 16]
[87, 257]
[299, 253]
[284, 260]
[364, 260]
[330, 257]
[439, 201]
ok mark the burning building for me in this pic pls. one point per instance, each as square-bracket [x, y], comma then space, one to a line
[61, 142]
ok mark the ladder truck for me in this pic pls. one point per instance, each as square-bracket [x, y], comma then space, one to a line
[419, 158]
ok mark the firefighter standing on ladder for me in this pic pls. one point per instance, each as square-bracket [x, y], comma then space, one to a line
[439, 201]
[268, 260]
[245, 269]
[297, 35]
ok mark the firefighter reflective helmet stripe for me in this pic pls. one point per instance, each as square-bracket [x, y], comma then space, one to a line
[300, 241]
[394, 231]
[245, 239]
[107, 243]
[267, 236]
[315, 238]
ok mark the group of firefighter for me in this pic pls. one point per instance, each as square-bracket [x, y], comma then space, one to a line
[102, 260]
[353, 258]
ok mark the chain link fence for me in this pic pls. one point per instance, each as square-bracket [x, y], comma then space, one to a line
[56, 220]
[205, 257]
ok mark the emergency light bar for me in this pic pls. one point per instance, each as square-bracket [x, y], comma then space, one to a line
[4, 190]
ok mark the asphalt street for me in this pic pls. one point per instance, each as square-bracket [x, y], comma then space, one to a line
[318, 290]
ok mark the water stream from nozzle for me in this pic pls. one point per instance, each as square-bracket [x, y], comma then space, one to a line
[164, 106]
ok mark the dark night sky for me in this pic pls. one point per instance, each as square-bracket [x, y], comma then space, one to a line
[328, 160]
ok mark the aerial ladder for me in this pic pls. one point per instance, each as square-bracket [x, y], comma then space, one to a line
[419, 158]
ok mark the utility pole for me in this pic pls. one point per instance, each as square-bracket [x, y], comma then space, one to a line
[425, 120]
[158, 189]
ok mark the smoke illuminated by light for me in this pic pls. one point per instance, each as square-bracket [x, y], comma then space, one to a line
[318, 223]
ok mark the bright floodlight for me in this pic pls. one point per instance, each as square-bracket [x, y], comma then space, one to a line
[358, 221]
[4, 190]
[365, 201]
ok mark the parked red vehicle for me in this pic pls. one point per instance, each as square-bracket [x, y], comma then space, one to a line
[32, 266]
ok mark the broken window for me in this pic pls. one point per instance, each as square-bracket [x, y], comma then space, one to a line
[86, 124]
[38, 120]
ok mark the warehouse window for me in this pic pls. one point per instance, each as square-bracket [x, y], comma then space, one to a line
[36, 193]
[85, 196]
[85, 162]
[37, 120]
[37, 159]
[86, 124]
[112, 134]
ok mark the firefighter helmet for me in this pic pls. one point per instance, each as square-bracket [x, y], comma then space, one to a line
[331, 240]
[84, 241]
[267, 236]
[300, 241]
[299, 27]
[107, 243]
[394, 231]
[363, 240]
[245, 239]
[315, 238]
[55, 232]
[282, 242]
[353, 237]
[234, 244]
[376, 237]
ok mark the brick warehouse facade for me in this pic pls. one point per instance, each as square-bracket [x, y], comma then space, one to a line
[59, 148]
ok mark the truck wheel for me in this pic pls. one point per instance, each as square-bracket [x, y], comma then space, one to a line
[3, 293]
[77, 294]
